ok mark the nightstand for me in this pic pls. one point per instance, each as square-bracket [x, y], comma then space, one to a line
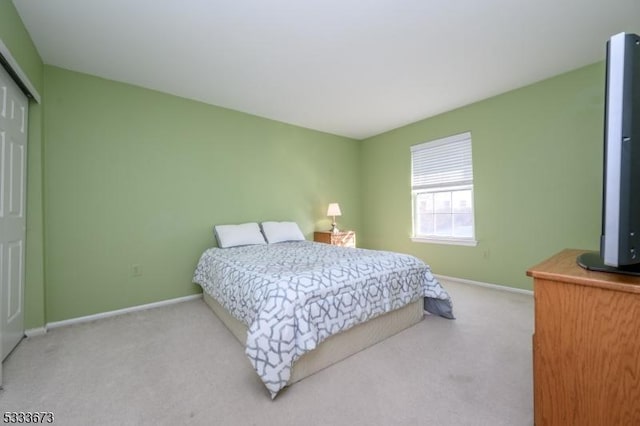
[342, 238]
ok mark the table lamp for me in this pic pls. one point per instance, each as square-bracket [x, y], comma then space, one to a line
[334, 210]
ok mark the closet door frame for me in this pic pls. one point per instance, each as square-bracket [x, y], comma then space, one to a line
[8, 62]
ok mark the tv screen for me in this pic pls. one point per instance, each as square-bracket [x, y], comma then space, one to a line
[620, 239]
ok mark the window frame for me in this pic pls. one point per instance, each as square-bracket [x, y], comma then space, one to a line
[449, 186]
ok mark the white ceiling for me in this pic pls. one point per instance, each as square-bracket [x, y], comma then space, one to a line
[355, 68]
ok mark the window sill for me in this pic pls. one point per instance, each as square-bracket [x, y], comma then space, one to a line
[449, 241]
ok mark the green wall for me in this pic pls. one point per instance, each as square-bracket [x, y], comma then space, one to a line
[15, 37]
[134, 176]
[119, 175]
[537, 159]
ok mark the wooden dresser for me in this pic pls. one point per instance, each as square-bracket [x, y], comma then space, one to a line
[342, 238]
[586, 345]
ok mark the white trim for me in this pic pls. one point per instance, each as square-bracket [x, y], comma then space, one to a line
[449, 241]
[117, 312]
[34, 332]
[482, 284]
[4, 50]
[442, 141]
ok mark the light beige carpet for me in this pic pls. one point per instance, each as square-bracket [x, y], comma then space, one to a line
[179, 365]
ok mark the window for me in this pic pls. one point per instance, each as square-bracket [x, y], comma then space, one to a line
[442, 191]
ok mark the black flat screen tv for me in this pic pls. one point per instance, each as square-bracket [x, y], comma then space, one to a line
[620, 238]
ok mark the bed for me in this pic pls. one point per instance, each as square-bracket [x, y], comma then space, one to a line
[300, 306]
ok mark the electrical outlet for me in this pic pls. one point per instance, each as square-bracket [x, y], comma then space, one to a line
[136, 270]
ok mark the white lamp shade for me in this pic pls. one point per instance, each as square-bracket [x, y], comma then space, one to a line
[334, 210]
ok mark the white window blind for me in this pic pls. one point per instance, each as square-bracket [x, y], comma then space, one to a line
[442, 191]
[444, 162]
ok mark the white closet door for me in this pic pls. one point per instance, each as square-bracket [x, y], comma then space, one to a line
[13, 167]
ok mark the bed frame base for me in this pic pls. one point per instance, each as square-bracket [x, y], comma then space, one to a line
[339, 346]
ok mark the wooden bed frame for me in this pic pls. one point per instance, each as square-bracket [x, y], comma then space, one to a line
[339, 346]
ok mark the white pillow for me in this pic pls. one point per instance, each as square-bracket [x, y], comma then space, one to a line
[238, 235]
[276, 232]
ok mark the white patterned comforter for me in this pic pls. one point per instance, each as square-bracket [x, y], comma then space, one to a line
[293, 295]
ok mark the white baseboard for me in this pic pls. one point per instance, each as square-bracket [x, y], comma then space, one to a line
[34, 332]
[482, 284]
[42, 330]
